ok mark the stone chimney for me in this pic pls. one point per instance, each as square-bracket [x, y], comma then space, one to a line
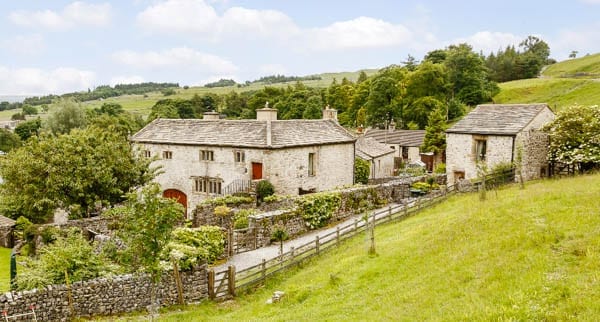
[329, 114]
[266, 114]
[392, 126]
[211, 116]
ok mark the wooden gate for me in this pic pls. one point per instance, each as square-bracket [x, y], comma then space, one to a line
[179, 196]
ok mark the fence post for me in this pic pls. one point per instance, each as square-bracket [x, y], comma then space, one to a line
[263, 268]
[355, 224]
[231, 280]
[337, 236]
[405, 207]
[291, 254]
[390, 213]
[211, 284]
[317, 244]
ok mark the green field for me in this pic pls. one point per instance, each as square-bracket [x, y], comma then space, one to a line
[522, 255]
[584, 67]
[4, 269]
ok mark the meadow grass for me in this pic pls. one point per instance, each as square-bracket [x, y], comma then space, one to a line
[528, 254]
[587, 66]
[4, 269]
[557, 92]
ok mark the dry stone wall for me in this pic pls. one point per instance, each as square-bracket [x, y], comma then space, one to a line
[104, 296]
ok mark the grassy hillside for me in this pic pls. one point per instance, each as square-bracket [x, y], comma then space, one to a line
[521, 255]
[573, 81]
[584, 67]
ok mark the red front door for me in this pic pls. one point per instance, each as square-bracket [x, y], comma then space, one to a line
[256, 171]
[179, 196]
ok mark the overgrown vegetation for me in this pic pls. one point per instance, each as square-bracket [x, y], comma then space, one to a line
[194, 246]
[361, 171]
[264, 188]
[318, 208]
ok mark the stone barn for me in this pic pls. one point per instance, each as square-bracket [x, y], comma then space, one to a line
[7, 226]
[406, 143]
[493, 134]
[379, 156]
[211, 157]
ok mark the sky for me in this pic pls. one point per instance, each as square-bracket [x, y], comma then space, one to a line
[53, 47]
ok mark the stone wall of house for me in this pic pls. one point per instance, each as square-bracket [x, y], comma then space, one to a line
[534, 154]
[382, 166]
[460, 155]
[104, 296]
[6, 236]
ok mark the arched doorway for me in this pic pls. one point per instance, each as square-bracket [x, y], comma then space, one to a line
[179, 196]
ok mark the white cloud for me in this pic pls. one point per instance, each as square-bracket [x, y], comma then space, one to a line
[26, 44]
[135, 79]
[489, 42]
[583, 39]
[34, 81]
[362, 32]
[265, 23]
[188, 16]
[75, 14]
[182, 57]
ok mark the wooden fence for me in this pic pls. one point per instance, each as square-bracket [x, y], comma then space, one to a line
[227, 283]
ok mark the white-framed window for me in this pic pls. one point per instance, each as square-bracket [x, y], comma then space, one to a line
[207, 155]
[239, 156]
[311, 164]
[167, 155]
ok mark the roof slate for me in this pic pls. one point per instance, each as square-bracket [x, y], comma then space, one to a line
[500, 119]
[5, 221]
[243, 133]
[369, 148]
[400, 137]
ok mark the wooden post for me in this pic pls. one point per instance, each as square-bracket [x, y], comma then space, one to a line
[291, 254]
[264, 268]
[337, 236]
[211, 284]
[231, 280]
[178, 281]
[389, 213]
[405, 207]
[355, 224]
[317, 244]
[230, 237]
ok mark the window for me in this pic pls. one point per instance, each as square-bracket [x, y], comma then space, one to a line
[239, 156]
[311, 164]
[480, 149]
[167, 154]
[404, 152]
[207, 155]
[208, 185]
[147, 153]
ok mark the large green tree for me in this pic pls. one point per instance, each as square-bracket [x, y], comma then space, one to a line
[435, 132]
[79, 172]
[8, 140]
[65, 116]
[575, 136]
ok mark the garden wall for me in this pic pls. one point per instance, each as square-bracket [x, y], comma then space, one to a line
[104, 296]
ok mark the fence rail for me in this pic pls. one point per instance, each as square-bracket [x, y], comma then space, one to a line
[229, 282]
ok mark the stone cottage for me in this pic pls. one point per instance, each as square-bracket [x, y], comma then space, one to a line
[379, 156]
[406, 143]
[6, 232]
[493, 134]
[204, 158]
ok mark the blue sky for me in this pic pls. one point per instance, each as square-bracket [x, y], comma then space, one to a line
[62, 46]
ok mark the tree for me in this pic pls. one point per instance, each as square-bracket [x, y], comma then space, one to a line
[112, 109]
[80, 172]
[575, 137]
[313, 108]
[362, 171]
[27, 129]
[419, 111]
[435, 133]
[9, 140]
[361, 77]
[29, 110]
[381, 103]
[65, 116]
[573, 54]
[410, 63]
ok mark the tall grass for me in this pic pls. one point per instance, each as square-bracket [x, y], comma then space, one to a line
[528, 254]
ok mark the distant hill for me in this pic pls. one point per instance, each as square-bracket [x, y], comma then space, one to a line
[573, 81]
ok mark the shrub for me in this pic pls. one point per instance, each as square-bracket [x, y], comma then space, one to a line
[230, 200]
[264, 188]
[192, 246]
[240, 219]
[361, 171]
[440, 168]
[317, 209]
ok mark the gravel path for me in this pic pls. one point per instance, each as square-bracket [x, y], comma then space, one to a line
[248, 259]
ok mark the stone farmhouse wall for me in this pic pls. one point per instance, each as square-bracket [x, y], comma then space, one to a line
[6, 239]
[382, 166]
[535, 154]
[286, 168]
[99, 224]
[104, 296]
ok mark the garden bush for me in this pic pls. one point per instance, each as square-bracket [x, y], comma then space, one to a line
[193, 246]
[317, 209]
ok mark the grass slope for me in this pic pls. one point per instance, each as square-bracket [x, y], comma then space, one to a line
[585, 67]
[4, 269]
[528, 254]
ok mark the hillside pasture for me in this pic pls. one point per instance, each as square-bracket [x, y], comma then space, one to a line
[583, 67]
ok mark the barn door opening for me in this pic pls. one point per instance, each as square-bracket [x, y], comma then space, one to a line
[179, 196]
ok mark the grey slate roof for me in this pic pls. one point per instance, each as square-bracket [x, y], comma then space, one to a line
[4, 221]
[400, 137]
[369, 148]
[243, 133]
[499, 119]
